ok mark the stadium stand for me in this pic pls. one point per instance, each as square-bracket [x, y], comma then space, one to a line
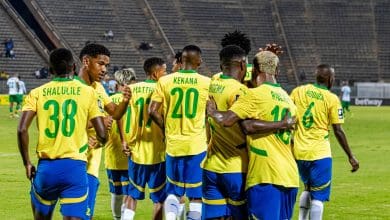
[352, 36]
[27, 60]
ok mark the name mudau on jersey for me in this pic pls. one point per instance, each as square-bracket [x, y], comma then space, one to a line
[185, 80]
[61, 90]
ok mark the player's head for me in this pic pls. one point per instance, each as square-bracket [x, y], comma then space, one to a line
[61, 62]
[192, 56]
[233, 61]
[95, 59]
[237, 38]
[125, 76]
[265, 63]
[325, 75]
[176, 65]
[155, 68]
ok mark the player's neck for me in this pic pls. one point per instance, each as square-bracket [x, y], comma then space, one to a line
[232, 74]
[83, 75]
[189, 66]
[269, 79]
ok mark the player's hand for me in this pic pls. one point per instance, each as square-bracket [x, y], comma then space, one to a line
[30, 171]
[108, 122]
[211, 106]
[354, 163]
[274, 48]
[126, 94]
[289, 121]
[93, 142]
[125, 148]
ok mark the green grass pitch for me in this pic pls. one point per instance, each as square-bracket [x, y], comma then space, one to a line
[361, 195]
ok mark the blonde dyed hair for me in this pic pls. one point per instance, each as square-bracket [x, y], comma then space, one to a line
[125, 76]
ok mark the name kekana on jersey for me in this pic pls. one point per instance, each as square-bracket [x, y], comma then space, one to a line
[185, 80]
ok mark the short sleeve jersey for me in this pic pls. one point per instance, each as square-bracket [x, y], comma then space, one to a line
[146, 139]
[317, 109]
[62, 117]
[114, 158]
[13, 85]
[271, 160]
[183, 96]
[227, 149]
[346, 91]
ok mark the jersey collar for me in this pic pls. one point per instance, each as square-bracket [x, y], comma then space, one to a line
[272, 84]
[222, 76]
[61, 79]
[320, 86]
[150, 81]
[187, 71]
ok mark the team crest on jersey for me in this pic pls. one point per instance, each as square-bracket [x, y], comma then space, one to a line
[100, 105]
[341, 113]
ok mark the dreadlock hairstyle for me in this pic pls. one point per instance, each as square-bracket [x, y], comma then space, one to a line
[237, 38]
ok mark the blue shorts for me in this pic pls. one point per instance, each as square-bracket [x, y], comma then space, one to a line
[118, 181]
[63, 179]
[271, 202]
[153, 175]
[317, 176]
[184, 175]
[223, 195]
[93, 186]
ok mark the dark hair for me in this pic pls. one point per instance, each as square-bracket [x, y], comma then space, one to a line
[192, 48]
[178, 56]
[230, 52]
[61, 61]
[323, 73]
[150, 63]
[237, 38]
[94, 50]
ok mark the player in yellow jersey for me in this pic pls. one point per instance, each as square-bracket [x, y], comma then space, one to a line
[182, 97]
[317, 109]
[272, 178]
[114, 159]
[95, 58]
[146, 144]
[239, 39]
[226, 162]
[62, 116]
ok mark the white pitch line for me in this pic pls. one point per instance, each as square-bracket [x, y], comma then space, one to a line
[8, 154]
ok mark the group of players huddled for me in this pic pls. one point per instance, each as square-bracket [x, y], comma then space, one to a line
[234, 144]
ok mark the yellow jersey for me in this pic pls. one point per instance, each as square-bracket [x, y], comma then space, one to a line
[114, 158]
[271, 160]
[146, 139]
[94, 156]
[62, 117]
[317, 109]
[227, 148]
[183, 96]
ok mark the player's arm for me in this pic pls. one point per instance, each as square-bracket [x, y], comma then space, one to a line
[253, 126]
[224, 118]
[117, 111]
[342, 139]
[100, 128]
[125, 147]
[23, 141]
[155, 114]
